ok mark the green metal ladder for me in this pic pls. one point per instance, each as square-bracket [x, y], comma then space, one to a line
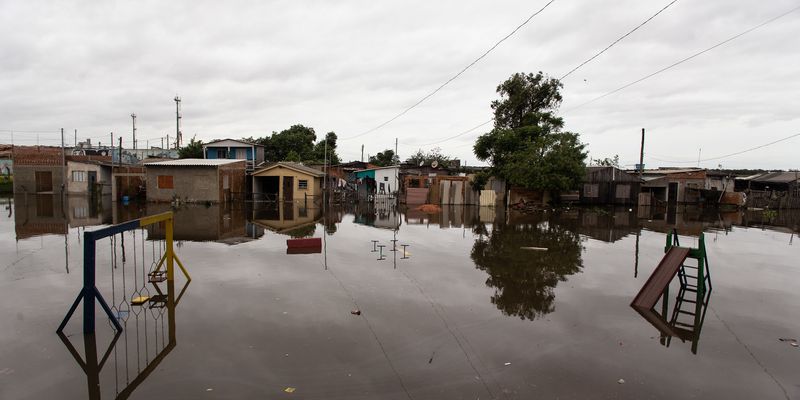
[695, 291]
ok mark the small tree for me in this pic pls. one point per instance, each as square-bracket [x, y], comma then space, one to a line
[384, 158]
[193, 149]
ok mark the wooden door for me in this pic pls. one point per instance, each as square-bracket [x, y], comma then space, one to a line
[288, 188]
[44, 181]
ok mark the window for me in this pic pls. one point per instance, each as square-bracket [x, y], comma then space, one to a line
[226, 182]
[165, 182]
[222, 153]
[302, 184]
[590, 190]
[386, 179]
[79, 176]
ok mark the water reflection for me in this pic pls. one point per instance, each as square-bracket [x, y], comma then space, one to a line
[47, 214]
[687, 315]
[135, 352]
[295, 220]
[524, 280]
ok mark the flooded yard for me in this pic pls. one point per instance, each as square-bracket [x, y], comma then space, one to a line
[466, 303]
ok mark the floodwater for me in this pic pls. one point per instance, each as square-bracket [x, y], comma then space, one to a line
[459, 311]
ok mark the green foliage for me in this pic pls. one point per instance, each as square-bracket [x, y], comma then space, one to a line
[608, 162]
[292, 156]
[480, 180]
[319, 149]
[384, 158]
[298, 139]
[297, 144]
[434, 154]
[194, 149]
[526, 145]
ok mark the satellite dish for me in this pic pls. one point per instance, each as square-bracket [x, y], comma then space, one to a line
[435, 164]
[421, 163]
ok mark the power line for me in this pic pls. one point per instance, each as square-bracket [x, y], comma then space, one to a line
[451, 137]
[618, 40]
[728, 155]
[564, 76]
[685, 59]
[431, 94]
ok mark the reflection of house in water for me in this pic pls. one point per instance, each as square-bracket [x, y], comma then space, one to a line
[216, 223]
[295, 219]
[378, 216]
[43, 214]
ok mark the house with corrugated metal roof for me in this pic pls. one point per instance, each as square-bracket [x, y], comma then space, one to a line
[195, 180]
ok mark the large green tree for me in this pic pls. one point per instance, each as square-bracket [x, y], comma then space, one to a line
[193, 149]
[527, 146]
[384, 158]
[319, 149]
[298, 139]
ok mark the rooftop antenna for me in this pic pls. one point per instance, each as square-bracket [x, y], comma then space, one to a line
[177, 121]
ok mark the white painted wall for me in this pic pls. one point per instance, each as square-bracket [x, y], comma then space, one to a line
[388, 177]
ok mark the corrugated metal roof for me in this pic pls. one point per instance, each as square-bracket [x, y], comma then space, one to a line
[193, 162]
[778, 177]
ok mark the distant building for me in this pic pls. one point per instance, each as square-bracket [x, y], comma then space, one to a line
[609, 185]
[88, 177]
[287, 181]
[232, 149]
[195, 180]
[673, 186]
[379, 180]
[41, 169]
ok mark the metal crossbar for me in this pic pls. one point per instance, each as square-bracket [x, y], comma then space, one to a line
[89, 293]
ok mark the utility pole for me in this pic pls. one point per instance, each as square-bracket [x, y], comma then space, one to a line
[177, 121]
[63, 165]
[112, 149]
[76, 138]
[167, 142]
[119, 162]
[162, 142]
[133, 116]
[362, 153]
[641, 157]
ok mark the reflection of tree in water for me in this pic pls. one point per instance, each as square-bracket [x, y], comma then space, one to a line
[524, 280]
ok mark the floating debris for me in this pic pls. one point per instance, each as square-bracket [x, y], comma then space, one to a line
[534, 248]
[621, 381]
[289, 390]
[355, 312]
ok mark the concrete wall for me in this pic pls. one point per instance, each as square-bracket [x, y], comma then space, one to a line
[25, 177]
[82, 187]
[190, 183]
[387, 176]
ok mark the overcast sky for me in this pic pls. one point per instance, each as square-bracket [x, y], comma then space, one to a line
[250, 68]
